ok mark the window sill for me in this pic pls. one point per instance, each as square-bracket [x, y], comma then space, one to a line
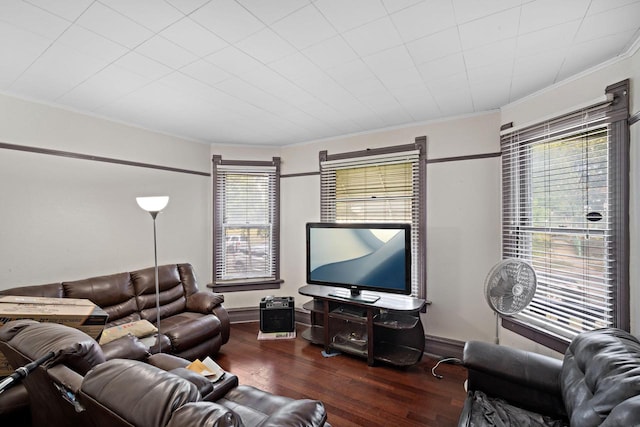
[239, 286]
[537, 335]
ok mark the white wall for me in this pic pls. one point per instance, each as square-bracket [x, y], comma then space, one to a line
[63, 218]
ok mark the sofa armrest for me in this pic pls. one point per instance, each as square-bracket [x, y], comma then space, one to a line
[225, 323]
[208, 414]
[68, 383]
[204, 385]
[525, 379]
[299, 413]
[514, 365]
[66, 377]
[167, 362]
[204, 301]
[126, 347]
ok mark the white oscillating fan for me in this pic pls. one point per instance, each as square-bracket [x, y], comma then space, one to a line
[509, 288]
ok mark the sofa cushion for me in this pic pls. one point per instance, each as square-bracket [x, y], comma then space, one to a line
[158, 393]
[185, 330]
[113, 293]
[600, 372]
[172, 296]
[497, 412]
[127, 347]
[188, 275]
[139, 328]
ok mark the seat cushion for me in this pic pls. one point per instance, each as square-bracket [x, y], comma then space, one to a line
[188, 329]
[157, 393]
[113, 293]
[488, 411]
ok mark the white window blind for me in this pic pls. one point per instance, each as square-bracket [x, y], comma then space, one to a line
[378, 188]
[560, 214]
[245, 223]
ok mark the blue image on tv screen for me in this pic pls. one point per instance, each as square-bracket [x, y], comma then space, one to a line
[363, 257]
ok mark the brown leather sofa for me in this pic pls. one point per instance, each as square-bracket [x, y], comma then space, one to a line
[194, 323]
[80, 387]
[169, 400]
[596, 384]
[14, 408]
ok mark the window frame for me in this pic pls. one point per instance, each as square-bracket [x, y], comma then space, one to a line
[617, 115]
[246, 284]
[420, 145]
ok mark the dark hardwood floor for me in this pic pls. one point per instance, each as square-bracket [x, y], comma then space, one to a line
[353, 393]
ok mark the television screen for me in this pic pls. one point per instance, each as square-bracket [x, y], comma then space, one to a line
[360, 256]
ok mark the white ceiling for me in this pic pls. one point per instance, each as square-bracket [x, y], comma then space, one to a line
[278, 72]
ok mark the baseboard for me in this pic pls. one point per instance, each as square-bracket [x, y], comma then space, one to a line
[243, 315]
[438, 347]
[252, 314]
[443, 347]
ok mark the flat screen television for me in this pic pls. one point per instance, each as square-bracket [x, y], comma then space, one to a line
[360, 256]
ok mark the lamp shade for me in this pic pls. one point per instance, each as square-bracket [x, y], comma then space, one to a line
[153, 204]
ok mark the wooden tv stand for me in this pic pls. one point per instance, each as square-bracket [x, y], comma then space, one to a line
[387, 330]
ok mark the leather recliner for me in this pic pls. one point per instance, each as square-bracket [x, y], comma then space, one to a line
[596, 384]
[80, 387]
[165, 399]
[51, 386]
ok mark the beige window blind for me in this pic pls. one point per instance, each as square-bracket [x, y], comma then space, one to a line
[378, 188]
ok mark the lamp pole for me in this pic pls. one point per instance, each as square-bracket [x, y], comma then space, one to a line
[154, 206]
[155, 262]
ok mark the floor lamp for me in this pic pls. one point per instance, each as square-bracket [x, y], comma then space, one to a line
[154, 206]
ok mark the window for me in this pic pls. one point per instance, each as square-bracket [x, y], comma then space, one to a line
[380, 185]
[565, 210]
[246, 224]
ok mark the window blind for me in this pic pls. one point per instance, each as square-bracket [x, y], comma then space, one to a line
[245, 222]
[560, 204]
[387, 187]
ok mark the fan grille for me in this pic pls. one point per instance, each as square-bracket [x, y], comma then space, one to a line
[510, 286]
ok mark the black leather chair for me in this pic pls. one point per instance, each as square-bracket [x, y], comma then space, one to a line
[596, 384]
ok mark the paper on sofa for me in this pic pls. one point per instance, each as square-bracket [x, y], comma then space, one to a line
[208, 368]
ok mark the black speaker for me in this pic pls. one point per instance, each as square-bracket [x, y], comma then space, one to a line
[277, 314]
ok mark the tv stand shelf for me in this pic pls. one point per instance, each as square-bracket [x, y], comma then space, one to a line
[388, 330]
